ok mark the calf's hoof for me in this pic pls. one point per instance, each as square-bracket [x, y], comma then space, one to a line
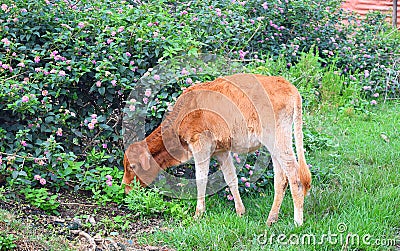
[240, 211]
[271, 220]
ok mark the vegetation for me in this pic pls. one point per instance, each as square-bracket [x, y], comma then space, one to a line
[67, 70]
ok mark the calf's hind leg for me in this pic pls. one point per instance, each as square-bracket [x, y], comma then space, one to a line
[280, 185]
[291, 169]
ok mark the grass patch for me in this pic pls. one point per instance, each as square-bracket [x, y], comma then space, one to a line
[29, 237]
[355, 205]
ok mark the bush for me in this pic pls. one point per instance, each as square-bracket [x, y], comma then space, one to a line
[67, 68]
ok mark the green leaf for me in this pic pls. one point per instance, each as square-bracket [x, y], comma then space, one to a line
[102, 90]
[49, 119]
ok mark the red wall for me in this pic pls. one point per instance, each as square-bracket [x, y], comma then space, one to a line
[363, 6]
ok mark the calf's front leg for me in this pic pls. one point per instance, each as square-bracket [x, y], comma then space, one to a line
[229, 171]
[200, 147]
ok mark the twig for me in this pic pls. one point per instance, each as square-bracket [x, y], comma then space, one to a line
[23, 157]
[87, 236]
[79, 204]
[254, 33]
[245, 60]
[15, 76]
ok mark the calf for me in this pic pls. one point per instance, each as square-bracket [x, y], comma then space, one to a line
[237, 113]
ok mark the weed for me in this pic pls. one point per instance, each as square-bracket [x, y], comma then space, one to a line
[42, 199]
[7, 242]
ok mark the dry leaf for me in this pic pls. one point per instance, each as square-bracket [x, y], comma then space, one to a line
[385, 138]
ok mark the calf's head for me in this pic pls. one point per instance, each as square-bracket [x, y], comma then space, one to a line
[139, 165]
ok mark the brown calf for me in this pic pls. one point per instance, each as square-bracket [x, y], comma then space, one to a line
[237, 113]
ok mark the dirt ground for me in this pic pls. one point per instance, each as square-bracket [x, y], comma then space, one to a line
[81, 224]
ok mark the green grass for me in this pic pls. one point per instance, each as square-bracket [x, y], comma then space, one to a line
[357, 187]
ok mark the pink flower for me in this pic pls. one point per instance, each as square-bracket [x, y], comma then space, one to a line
[184, 72]
[81, 25]
[59, 132]
[366, 73]
[128, 54]
[150, 24]
[104, 146]
[145, 100]
[237, 159]
[243, 179]
[94, 121]
[121, 29]
[25, 99]
[21, 64]
[265, 5]
[109, 183]
[375, 95]
[98, 83]
[4, 7]
[229, 197]
[90, 126]
[373, 102]
[156, 77]
[247, 184]
[109, 41]
[6, 41]
[189, 81]
[108, 177]
[42, 181]
[37, 177]
[114, 82]
[37, 59]
[132, 108]
[250, 172]
[247, 166]
[45, 92]
[53, 54]
[93, 116]
[131, 62]
[367, 88]
[61, 73]
[147, 93]
[23, 142]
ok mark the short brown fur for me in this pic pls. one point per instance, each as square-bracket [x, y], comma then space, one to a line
[236, 113]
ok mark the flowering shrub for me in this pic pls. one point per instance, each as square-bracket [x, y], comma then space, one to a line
[67, 67]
